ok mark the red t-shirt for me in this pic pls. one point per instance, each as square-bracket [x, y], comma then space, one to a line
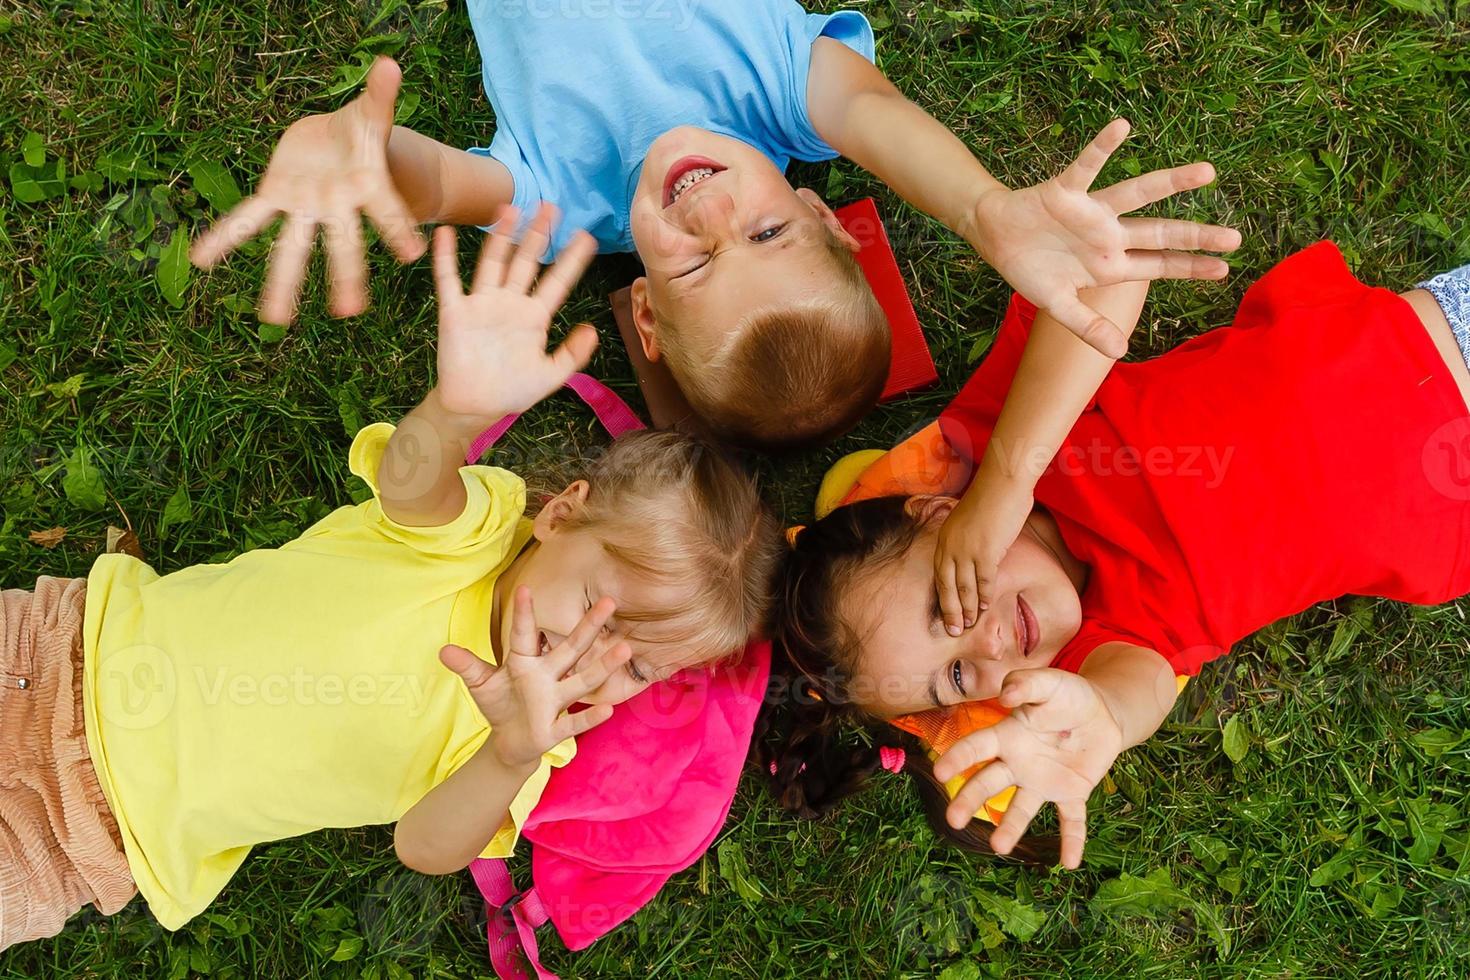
[1318, 447]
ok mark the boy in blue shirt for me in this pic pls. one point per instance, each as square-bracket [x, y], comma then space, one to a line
[666, 128]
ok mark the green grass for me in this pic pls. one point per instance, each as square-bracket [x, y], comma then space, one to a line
[1337, 846]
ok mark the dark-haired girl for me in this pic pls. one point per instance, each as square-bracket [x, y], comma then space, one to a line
[1147, 519]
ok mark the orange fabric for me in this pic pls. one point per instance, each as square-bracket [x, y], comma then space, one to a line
[59, 844]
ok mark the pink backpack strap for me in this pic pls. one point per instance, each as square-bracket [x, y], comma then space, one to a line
[511, 921]
[614, 414]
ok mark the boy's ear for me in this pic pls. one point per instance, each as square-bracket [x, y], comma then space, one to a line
[559, 510]
[930, 508]
[829, 219]
[644, 321]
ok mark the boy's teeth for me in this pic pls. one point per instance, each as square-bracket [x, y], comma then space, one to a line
[690, 179]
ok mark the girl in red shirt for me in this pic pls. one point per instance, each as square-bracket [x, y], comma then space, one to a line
[1125, 527]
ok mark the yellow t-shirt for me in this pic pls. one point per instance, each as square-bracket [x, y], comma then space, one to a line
[293, 689]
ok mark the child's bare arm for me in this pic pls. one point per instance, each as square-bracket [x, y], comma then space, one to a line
[1063, 734]
[1048, 241]
[329, 172]
[492, 362]
[525, 701]
[1058, 375]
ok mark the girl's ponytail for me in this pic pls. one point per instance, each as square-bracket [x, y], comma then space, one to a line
[807, 736]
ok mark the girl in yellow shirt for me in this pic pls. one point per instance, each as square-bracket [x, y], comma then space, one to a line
[155, 728]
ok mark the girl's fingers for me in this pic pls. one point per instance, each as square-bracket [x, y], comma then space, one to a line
[1096, 330]
[446, 265]
[347, 263]
[1138, 192]
[527, 261]
[1175, 265]
[244, 222]
[524, 637]
[967, 586]
[973, 749]
[1169, 233]
[1089, 163]
[583, 635]
[496, 252]
[593, 675]
[556, 285]
[972, 796]
[470, 668]
[395, 223]
[949, 599]
[1018, 816]
[570, 726]
[1030, 686]
[1072, 818]
[287, 269]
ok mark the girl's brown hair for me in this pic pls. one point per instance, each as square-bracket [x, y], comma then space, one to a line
[677, 510]
[809, 724]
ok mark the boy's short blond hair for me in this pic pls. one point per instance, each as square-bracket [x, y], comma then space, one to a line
[795, 377]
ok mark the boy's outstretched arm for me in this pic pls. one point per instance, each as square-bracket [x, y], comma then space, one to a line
[1048, 241]
[1063, 734]
[1056, 378]
[329, 172]
[492, 362]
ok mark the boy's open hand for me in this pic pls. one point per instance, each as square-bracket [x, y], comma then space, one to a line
[1056, 746]
[526, 698]
[1053, 239]
[492, 340]
[327, 172]
[972, 543]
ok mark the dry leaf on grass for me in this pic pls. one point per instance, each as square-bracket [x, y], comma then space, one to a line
[49, 538]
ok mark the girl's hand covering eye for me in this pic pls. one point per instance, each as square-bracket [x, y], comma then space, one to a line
[1057, 745]
[493, 360]
[525, 700]
[972, 543]
[1060, 236]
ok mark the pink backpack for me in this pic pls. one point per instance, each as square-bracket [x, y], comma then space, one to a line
[644, 797]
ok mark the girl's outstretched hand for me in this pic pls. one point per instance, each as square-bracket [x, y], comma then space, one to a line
[327, 172]
[526, 698]
[1060, 236]
[1057, 745]
[492, 340]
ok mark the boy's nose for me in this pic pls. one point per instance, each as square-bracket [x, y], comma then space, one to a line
[714, 215]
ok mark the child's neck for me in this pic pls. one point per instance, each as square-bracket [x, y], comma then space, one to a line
[1043, 527]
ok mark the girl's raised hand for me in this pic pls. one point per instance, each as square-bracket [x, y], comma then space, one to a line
[493, 360]
[327, 172]
[1056, 746]
[526, 698]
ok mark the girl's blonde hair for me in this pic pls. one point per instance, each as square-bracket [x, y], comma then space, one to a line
[679, 511]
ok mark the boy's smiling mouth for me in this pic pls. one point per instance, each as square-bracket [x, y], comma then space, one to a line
[686, 174]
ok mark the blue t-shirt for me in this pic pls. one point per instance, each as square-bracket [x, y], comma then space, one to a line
[582, 88]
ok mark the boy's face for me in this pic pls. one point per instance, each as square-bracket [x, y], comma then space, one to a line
[722, 234]
[567, 571]
[909, 663]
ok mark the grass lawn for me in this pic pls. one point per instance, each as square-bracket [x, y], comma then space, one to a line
[1331, 840]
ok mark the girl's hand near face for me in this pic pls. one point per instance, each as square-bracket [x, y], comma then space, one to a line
[525, 700]
[1061, 738]
[493, 360]
[1056, 746]
[972, 543]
